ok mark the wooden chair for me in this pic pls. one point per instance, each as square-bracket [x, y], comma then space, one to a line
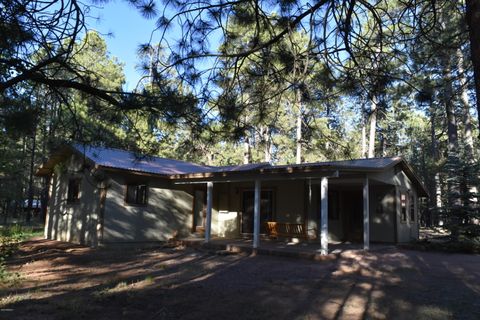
[286, 230]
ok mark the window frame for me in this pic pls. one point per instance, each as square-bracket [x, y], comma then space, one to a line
[77, 182]
[411, 207]
[403, 207]
[136, 202]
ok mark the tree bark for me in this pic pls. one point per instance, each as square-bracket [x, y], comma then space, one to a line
[247, 153]
[452, 132]
[30, 179]
[299, 128]
[373, 127]
[267, 144]
[364, 134]
[467, 119]
[453, 161]
[473, 23]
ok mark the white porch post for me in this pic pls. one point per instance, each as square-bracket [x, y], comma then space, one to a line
[366, 215]
[208, 222]
[256, 215]
[324, 216]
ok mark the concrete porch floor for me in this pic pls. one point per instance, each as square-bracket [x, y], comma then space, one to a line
[277, 247]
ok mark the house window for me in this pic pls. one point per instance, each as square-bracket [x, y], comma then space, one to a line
[403, 204]
[412, 208]
[136, 194]
[73, 191]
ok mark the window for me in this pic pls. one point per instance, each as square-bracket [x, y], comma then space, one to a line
[136, 194]
[73, 191]
[403, 204]
[412, 208]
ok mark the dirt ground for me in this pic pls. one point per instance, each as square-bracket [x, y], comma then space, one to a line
[65, 281]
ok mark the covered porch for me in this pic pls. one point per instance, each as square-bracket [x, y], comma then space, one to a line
[317, 213]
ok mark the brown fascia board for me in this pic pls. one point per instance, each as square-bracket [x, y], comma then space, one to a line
[57, 156]
[132, 172]
[270, 171]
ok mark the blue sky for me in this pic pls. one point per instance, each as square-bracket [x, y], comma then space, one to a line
[129, 29]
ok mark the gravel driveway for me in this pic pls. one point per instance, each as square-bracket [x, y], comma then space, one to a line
[65, 281]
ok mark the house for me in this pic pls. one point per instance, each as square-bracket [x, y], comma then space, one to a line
[101, 195]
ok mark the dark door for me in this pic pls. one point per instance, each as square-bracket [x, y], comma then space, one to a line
[266, 210]
[353, 225]
[199, 210]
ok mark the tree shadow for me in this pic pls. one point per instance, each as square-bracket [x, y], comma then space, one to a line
[190, 284]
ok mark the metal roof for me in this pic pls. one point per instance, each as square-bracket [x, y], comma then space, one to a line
[127, 160]
[371, 163]
[176, 169]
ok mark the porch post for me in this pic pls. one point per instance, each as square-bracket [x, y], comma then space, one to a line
[366, 215]
[256, 215]
[324, 215]
[208, 222]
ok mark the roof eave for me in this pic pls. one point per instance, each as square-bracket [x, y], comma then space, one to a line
[58, 156]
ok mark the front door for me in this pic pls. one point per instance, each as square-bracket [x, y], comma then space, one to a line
[353, 223]
[266, 210]
[199, 211]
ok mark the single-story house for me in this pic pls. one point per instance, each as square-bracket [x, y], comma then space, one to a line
[102, 196]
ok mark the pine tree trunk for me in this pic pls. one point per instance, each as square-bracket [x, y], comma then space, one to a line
[373, 127]
[364, 134]
[434, 199]
[299, 128]
[467, 119]
[452, 131]
[30, 179]
[383, 145]
[473, 23]
[268, 144]
[247, 154]
[438, 191]
[469, 191]
[364, 141]
[452, 165]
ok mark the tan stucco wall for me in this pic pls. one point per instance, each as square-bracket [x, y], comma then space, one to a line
[407, 230]
[382, 213]
[74, 222]
[167, 214]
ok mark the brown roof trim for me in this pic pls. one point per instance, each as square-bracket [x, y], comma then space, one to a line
[271, 171]
[134, 172]
[59, 155]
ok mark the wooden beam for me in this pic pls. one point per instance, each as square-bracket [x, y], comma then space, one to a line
[249, 176]
[256, 215]
[366, 215]
[324, 216]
